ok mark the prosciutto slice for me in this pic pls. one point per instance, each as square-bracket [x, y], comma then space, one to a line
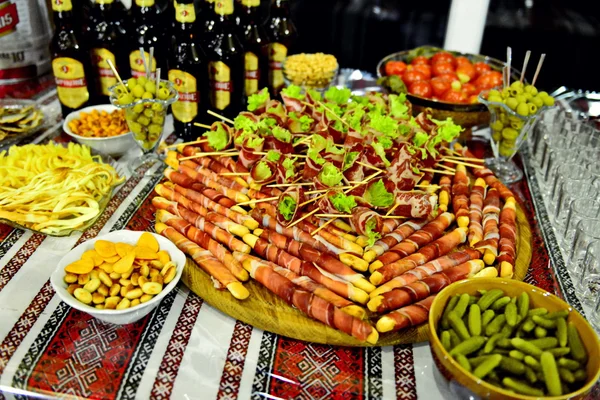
[488, 175]
[233, 194]
[476, 212]
[248, 157]
[292, 104]
[261, 181]
[296, 193]
[491, 234]
[394, 237]
[508, 233]
[460, 196]
[405, 317]
[401, 171]
[272, 143]
[360, 218]
[414, 204]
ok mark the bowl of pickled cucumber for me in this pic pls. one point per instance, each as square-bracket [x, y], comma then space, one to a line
[504, 339]
[146, 102]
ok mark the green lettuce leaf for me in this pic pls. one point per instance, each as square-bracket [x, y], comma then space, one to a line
[294, 92]
[349, 159]
[265, 124]
[256, 100]
[372, 235]
[380, 151]
[398, 108]
[330, 175]
[273, 155]
[282, 134]
[287, 207]
[289, 166]
[354, 119]
[263, 171]
[254, 142]
[378, 196]
[217, 139]
[338, 96]
[343, 203]
[333, 148]
[304, 121]
[247, 127]
[316, 96]
[318, 142]
[314, 155]
[385, 124]
[420, 138]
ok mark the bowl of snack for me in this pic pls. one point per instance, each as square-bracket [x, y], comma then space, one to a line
[448, 82]
[119, 277]
[19, 119]
[102, 127]
[310, 71]
[504, 339]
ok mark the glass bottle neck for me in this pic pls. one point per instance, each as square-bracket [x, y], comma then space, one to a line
[280, 8]
[63, 19]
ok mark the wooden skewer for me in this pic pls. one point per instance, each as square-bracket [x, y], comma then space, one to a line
[143, 55]
[245, 203]
[474, 159]
[202, 125]
[369, 166]
[304, 217]
[525, 62]
[235, 174]
[334, 215]
[187, 143]
[326, 190]
[290, 184]
[334, 114]
[299, 142]
[451, 151]
[428, 186]
[114, 70]
[262, 153]
[210, 153]
[537, 70]
[392, 209]
[149, 73]
[393, 217]
[445, 167]
[313, 233]
[464, 163]
[509, 62]
[214, 114]
[435, 171]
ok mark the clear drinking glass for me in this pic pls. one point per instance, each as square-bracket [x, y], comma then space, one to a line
[587, 233]
[588, 287]
[573, 181]
[146, 120]
[583, 208]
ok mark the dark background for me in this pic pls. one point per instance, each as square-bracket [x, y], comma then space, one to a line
[361, 32]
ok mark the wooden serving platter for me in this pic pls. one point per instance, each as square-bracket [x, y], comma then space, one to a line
[266, 311]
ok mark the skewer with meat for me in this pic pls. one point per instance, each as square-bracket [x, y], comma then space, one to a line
[220, 235]
[414, 204]
[393, 238]
[460, 196]
[508, 238]
[310, 304]
[203, 169]
[309, 254]
[288, 205]
[203, 240]
[179, 200]
[430, 252]
[306, 283]
[187, 182]
[430, 232]
[445, 192]
[475, 212]
[491, 235]
[233, 166]
[205, 260]
[284, 259]
[427, 269]
[419, 290]
[233, 194]
[405, 317]
[366, 222]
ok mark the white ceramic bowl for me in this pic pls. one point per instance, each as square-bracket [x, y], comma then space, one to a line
[114, 146]
[119, 317]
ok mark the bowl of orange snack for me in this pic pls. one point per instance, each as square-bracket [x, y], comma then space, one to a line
[119, 277]
[101, 127]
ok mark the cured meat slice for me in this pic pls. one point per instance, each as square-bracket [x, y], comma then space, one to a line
[508, 234]
[414, 204]
[476, 212]
[393, 238]
[491, 235]
[364, 221]
[460, 196]
[405, 317]
[401, 172]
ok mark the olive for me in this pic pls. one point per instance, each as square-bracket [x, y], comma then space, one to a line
[512, 103]
[131, 83]
[142, 80]
[523, 109]
[143, 120]
[147, 95]
[150, 87]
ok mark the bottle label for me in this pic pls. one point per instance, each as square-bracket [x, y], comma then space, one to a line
[62, 5]
[106, 76]
[220, 84]
[277, 54]
[224, 7]
[9, 18]
[104, 1]
[185, 13]
[136, 64]
[144, 3]
[185, 108]
[252, 73]
[251, 3]
[71, 85]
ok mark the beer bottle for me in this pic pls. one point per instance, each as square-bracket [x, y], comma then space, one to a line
[207, 21]
[282, 35]
[107, 44]
[187, 71]
[256, 47]
[70, 63]
[147, 32]
[226, 63]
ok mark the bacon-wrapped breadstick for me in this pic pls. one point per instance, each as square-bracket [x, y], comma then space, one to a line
[217, 185]
[445, 192]
[405, 317]
[285, 259]
[207, 167]
[491, 235]
[414, 242]
[328, 263]
[393, 238]
[508, 238]
[419, 290]
[310, 304]
[187, 182]
[460, 196]
[306, 283]
[217, 233]
[205, 260]
[430, 252]
[427, 269]
[475, 212]
[203, 240]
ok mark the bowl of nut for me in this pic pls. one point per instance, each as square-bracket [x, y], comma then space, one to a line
[310, 71]
[119, 277]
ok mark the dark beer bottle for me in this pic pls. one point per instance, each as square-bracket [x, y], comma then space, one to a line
[282, 35]
[187, 72]
[207, 20]
[147, 32]
[256, 47]
[107, 44]
[70, 63]
[226, 63]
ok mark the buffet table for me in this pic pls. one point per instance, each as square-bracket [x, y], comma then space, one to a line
[187, 349]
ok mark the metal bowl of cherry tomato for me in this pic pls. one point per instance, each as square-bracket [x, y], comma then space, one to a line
[448, 82]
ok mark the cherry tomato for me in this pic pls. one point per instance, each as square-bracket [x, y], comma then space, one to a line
[454, 96]
[443, 57]
[425, 69]
[395, 68]
[481, 67]
[466, 69]
[462, 60]
[422, 89]
[489, 80]
[411, 76]
[469, 89]
[451, 77]
[420, 60]
[441, 68]
[440, 86]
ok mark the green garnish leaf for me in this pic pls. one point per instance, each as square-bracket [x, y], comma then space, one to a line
[314, 155]
[372, 235]
[447, 130]
[380, 151]
[416, 170]
[294, 92]
[257, 100]
[266, 123]
[378, 196]
[343, 203]
[349, 159]
[287, 207]
[338, 96]
[305, 121]
[316, 96]
[254, 142]
[273, 155]
[318, 142]
[420, 138]
[217, 139]
[333, 149]
[263, 172]
[398, 107]
[354, 119]
[289, 166]
[282, 134]
[330, 175]
[384, 124]
[246, 125]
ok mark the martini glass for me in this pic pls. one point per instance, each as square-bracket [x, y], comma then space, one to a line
[146, 121]
[507, 142]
